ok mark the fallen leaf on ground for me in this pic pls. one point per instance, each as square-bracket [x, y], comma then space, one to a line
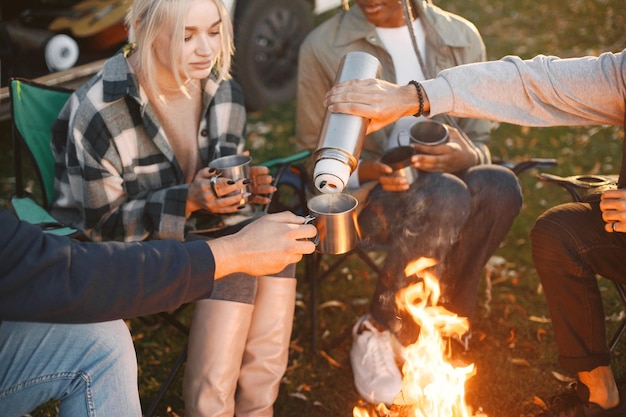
[360, 301]
[304, 387]
[540, 333]
[530, 345]
[541, 403]
[511, 338]
[295, 346]
[520, 362]
[562, 378]
[330, 360]
[541, 319]
[332, 303]
[299, 395]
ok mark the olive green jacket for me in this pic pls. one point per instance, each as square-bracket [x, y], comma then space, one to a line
[450, 41]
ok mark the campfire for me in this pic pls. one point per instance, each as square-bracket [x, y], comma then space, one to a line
[432, 386]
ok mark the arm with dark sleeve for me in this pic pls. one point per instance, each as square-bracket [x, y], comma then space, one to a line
[54, 279]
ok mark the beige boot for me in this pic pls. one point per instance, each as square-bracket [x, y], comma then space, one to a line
[267, 349]
[216, 345]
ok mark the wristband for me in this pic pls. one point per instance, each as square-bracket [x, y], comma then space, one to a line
[420, 96]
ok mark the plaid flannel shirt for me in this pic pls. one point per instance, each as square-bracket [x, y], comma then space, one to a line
[116, 174]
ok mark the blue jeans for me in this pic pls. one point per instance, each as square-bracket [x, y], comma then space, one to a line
[90, 368]
[569, 247]
[459, 220]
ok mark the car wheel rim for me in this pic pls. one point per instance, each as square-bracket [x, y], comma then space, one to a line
[276, 41]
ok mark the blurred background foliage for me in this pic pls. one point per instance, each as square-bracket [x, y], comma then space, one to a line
[512, 344]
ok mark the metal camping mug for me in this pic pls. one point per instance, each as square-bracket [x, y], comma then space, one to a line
[235, 167]
[399, 159]
[428, 132]
[334, 216]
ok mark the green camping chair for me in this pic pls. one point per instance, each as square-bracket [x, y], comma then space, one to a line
[34, 109]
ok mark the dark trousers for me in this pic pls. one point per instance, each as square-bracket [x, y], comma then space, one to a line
[569, 248]
[459, 220]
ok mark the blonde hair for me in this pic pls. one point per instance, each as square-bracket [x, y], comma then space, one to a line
[146, 18]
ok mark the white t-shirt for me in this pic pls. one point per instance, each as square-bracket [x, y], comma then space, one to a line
[397, 42]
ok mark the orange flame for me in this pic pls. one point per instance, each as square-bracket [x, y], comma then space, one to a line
[431, 386]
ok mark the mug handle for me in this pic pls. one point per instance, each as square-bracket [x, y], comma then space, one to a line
[401, 136]
[307, 220]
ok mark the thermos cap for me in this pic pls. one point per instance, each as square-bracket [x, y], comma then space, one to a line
[331, 176]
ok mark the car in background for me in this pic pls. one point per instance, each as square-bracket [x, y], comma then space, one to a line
[268, 35]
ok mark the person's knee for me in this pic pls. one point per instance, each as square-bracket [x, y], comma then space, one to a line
[112, 343]
[105, 370]
[508, 185]
[437, 191]
[549, 234]
[499, 183]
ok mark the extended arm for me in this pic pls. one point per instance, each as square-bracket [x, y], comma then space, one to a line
[50, 278]
[544, 91]
[54, 279]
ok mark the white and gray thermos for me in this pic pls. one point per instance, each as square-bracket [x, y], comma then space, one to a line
[341, 136]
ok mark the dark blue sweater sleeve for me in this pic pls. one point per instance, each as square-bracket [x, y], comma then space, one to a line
[54, 279]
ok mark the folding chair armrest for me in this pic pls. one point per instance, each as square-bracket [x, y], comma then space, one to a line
[272, 163]
[581, 187]
[27, 209]
[288, 172]
[528, 164]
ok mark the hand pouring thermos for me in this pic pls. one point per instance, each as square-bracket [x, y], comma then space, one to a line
[341, 135]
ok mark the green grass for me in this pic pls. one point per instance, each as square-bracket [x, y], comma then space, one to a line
[514, 355]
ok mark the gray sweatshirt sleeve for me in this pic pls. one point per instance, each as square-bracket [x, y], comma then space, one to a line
[543, 91]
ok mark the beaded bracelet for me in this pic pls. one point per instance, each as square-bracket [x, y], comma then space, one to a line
[420, 96]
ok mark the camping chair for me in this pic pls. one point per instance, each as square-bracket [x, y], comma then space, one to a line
[34, 108]
[580, 187]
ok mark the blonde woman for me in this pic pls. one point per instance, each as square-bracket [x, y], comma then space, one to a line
[133, 146]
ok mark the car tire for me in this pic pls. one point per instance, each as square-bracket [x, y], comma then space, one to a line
[268, 35]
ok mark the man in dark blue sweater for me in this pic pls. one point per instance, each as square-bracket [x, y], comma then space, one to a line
[50, 279]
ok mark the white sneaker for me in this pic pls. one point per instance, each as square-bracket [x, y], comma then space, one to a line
[376, 375]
